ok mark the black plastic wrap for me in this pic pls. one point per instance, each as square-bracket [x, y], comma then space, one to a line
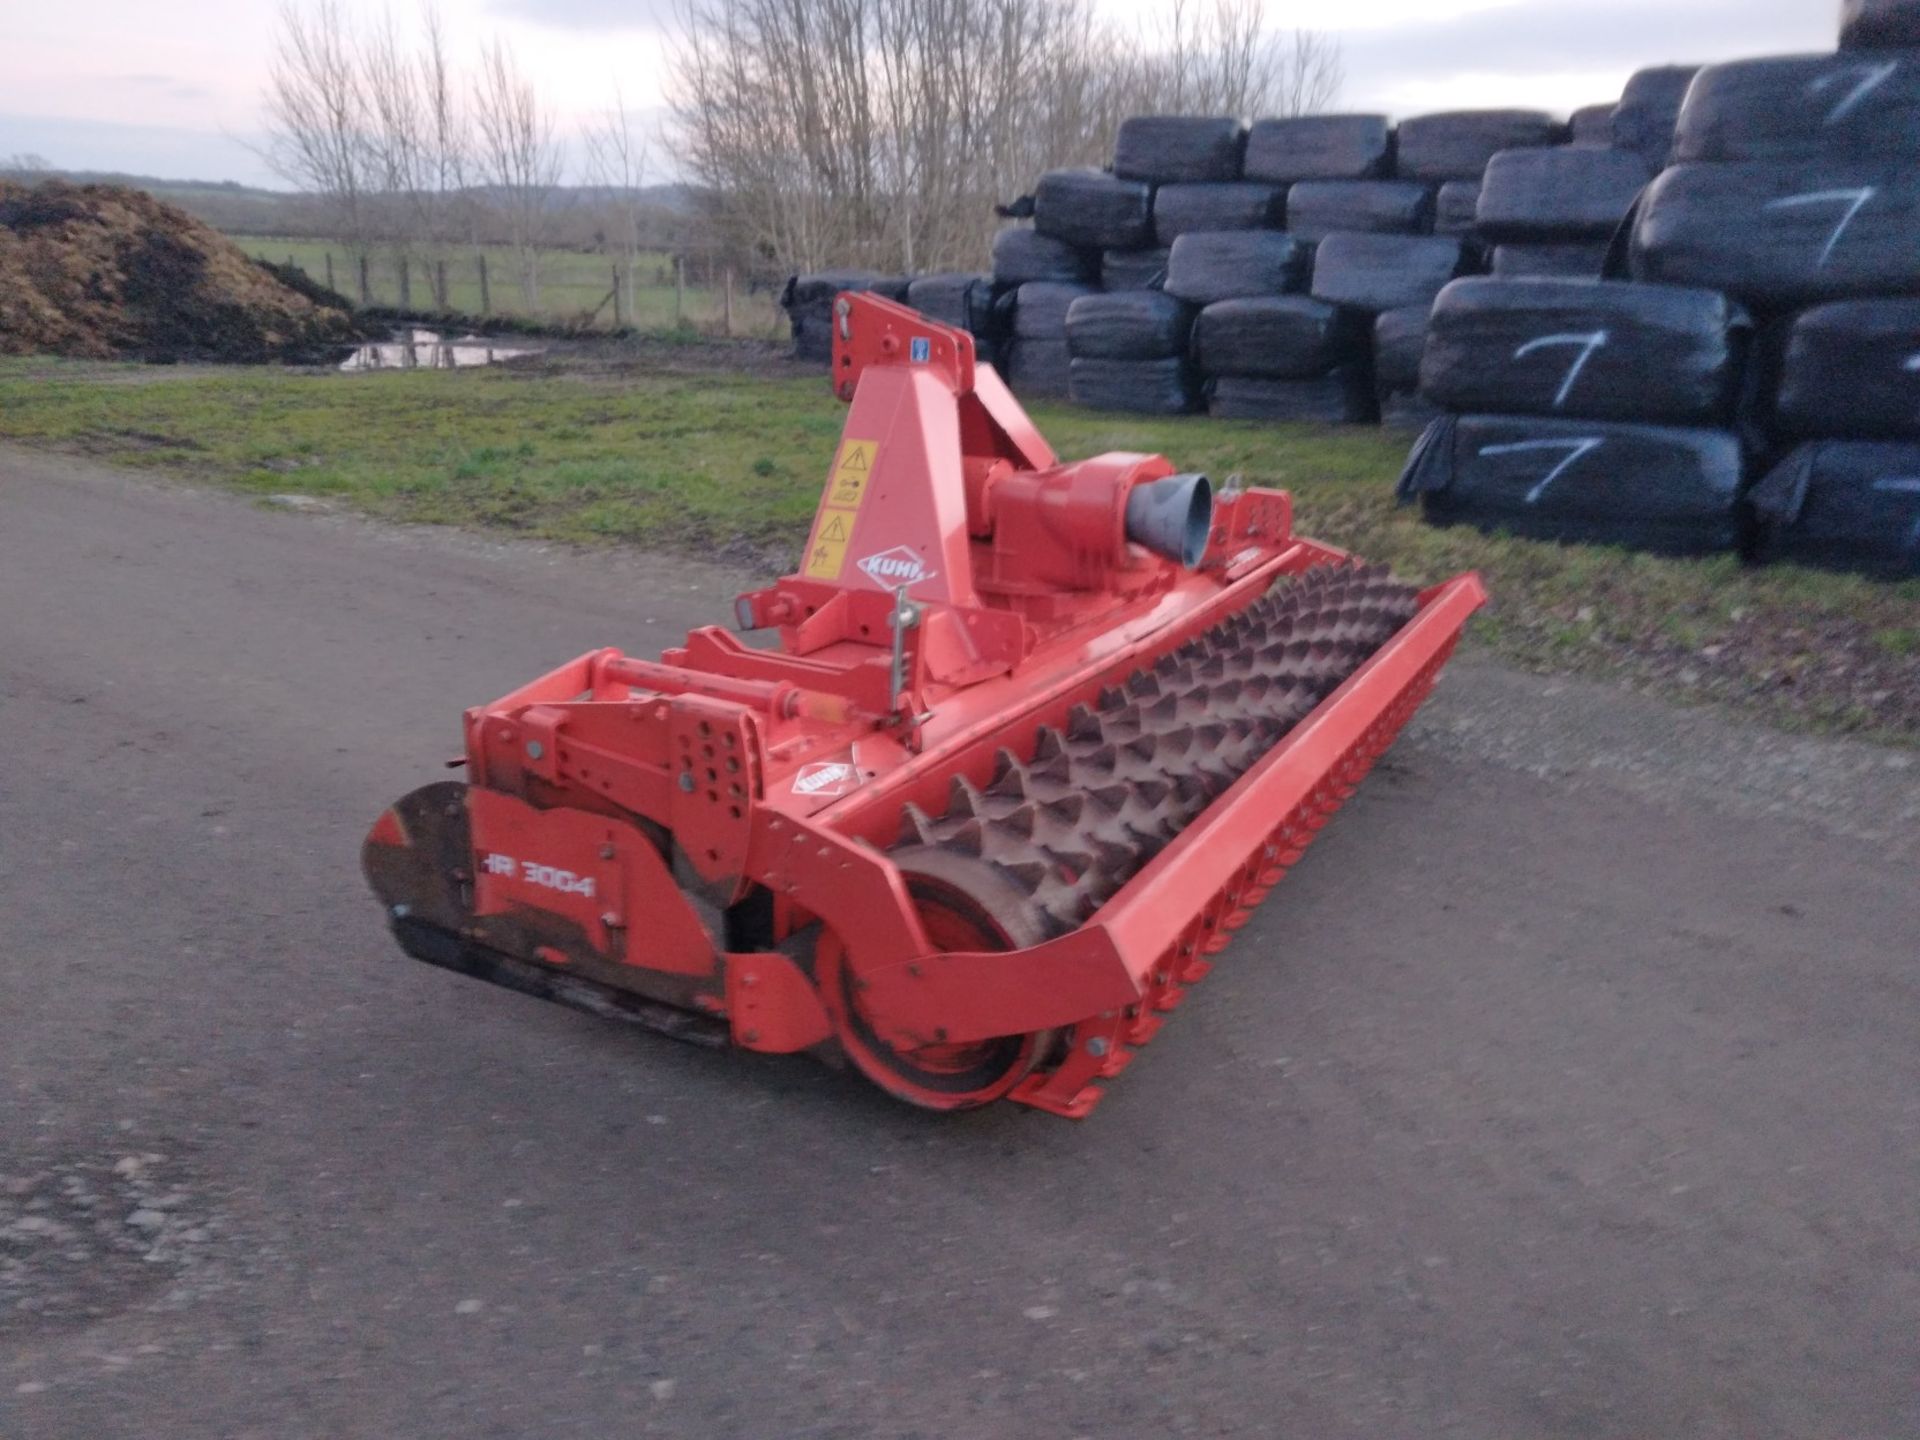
[1281, 337]
[1457, 207]
[1402, 411]
[1879, 24]
[1593, 125]
[1320, 147]
[1179, 149]
[1643, 121]
[1651, 487]
[1040, 309]
[1587, 351]
[1579, 261]
[1560, 195]
[1458, 145]
[1852, 370]
[1141, 387]
[1848, 504]
[1319, 208]
[1342, 397]
[1021, 255]
[808, 301]
[1783, 235]
[1186, 209]
[1385, 272]
[1399, 342]
[1804, 107]
[1229, 264]
[1095, 209]
[1128, 325]
[1133, 269]
[958, 299]
[1039, 368]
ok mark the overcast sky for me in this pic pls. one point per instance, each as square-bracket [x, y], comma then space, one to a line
[174, 88]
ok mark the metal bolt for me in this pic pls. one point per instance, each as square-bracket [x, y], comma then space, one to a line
[750, 978]
[606, 852]
[686, 781]
[400, 912]
[535, 749]
[752, 1037]
[1097, 1046]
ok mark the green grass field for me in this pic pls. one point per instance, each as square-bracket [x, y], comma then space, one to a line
[572, 284]
[691, 453]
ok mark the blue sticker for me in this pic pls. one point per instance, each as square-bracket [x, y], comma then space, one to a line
[922, 349]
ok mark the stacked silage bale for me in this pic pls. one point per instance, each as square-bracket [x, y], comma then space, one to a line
[1581, 410]
[808, 301]
[1795, 186]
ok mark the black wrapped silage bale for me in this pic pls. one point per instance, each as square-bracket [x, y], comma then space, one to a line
[1557, 196]
[1782, 235]
[1142, 387]
[1230, 264]
[1179, 149]
[1128, 325]
[1040, 309]
[1844, 504]
[963, 301]
[1320, 147]
[1652, 487]
[1040, 368]
[1341, 397]
[1276, 337]
[1587, 351]
[1456, 207]
[1880, 24]
[1804, 107]
[1399, 342]
[1319, 208]
[1093, 209]
[1458, 145]
[1586, 261]
[1852, 370]
[1592, 126]
[1643, 121]
[1133, 269]
[808, 301]
[1021, 255]
[1385, 272]
[1185, 209]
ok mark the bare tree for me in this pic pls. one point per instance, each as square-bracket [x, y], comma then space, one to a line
[518, 158]
[318, 118]
[617, 159]
[25, 163]
[880, 132]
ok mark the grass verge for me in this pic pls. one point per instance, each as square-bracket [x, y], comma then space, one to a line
[688, 452]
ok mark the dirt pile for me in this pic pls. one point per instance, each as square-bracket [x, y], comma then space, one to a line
[99, 272]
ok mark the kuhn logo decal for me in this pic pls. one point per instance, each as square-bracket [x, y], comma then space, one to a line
[896, 567]
[825, 778]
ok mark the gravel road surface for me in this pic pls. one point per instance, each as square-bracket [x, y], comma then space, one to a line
[1569, 1088]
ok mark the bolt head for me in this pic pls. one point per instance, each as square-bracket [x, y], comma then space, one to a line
[400, 912]
[686, 781]
[1097, 1046]
[535, 750]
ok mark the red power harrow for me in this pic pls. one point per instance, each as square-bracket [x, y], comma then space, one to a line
[1037, 737]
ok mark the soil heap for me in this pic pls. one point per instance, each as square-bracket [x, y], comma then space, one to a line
[100, 272]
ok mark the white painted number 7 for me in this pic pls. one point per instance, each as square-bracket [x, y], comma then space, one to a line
[1854, 200]
[1590, 345]
[1577, 450]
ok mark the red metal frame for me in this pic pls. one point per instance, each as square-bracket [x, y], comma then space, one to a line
[617, 805]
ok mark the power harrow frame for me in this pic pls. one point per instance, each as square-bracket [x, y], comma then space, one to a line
[711, 844]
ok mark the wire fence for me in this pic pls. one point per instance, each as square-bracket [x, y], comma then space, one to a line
[651, 291]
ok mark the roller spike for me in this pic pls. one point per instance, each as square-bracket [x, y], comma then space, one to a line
[1112, 698]
[916, 827]
[1142, 686]
[1067, 810]
[1056, 770]
[1050, 744]
[1083, 724]
[1143, 749]
[1009, 777]
[1019, 822]
[969, 838]
[963, 799]
[1029, 875]
[1112, 798]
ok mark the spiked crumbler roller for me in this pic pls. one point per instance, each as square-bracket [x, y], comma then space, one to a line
[1035, 740]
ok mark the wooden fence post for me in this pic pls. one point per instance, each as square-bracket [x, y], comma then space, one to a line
[486, 294]
[366, 290]
[679, 291]
[330, 270]
[406, 285]
[727, 314]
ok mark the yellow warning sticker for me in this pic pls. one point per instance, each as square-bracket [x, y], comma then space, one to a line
[848, 487]
[825, 559]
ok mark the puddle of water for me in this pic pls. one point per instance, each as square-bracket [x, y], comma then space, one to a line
[427, 350]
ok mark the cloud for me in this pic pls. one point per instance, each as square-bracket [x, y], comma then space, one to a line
[597, 16]
[1567, 37]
